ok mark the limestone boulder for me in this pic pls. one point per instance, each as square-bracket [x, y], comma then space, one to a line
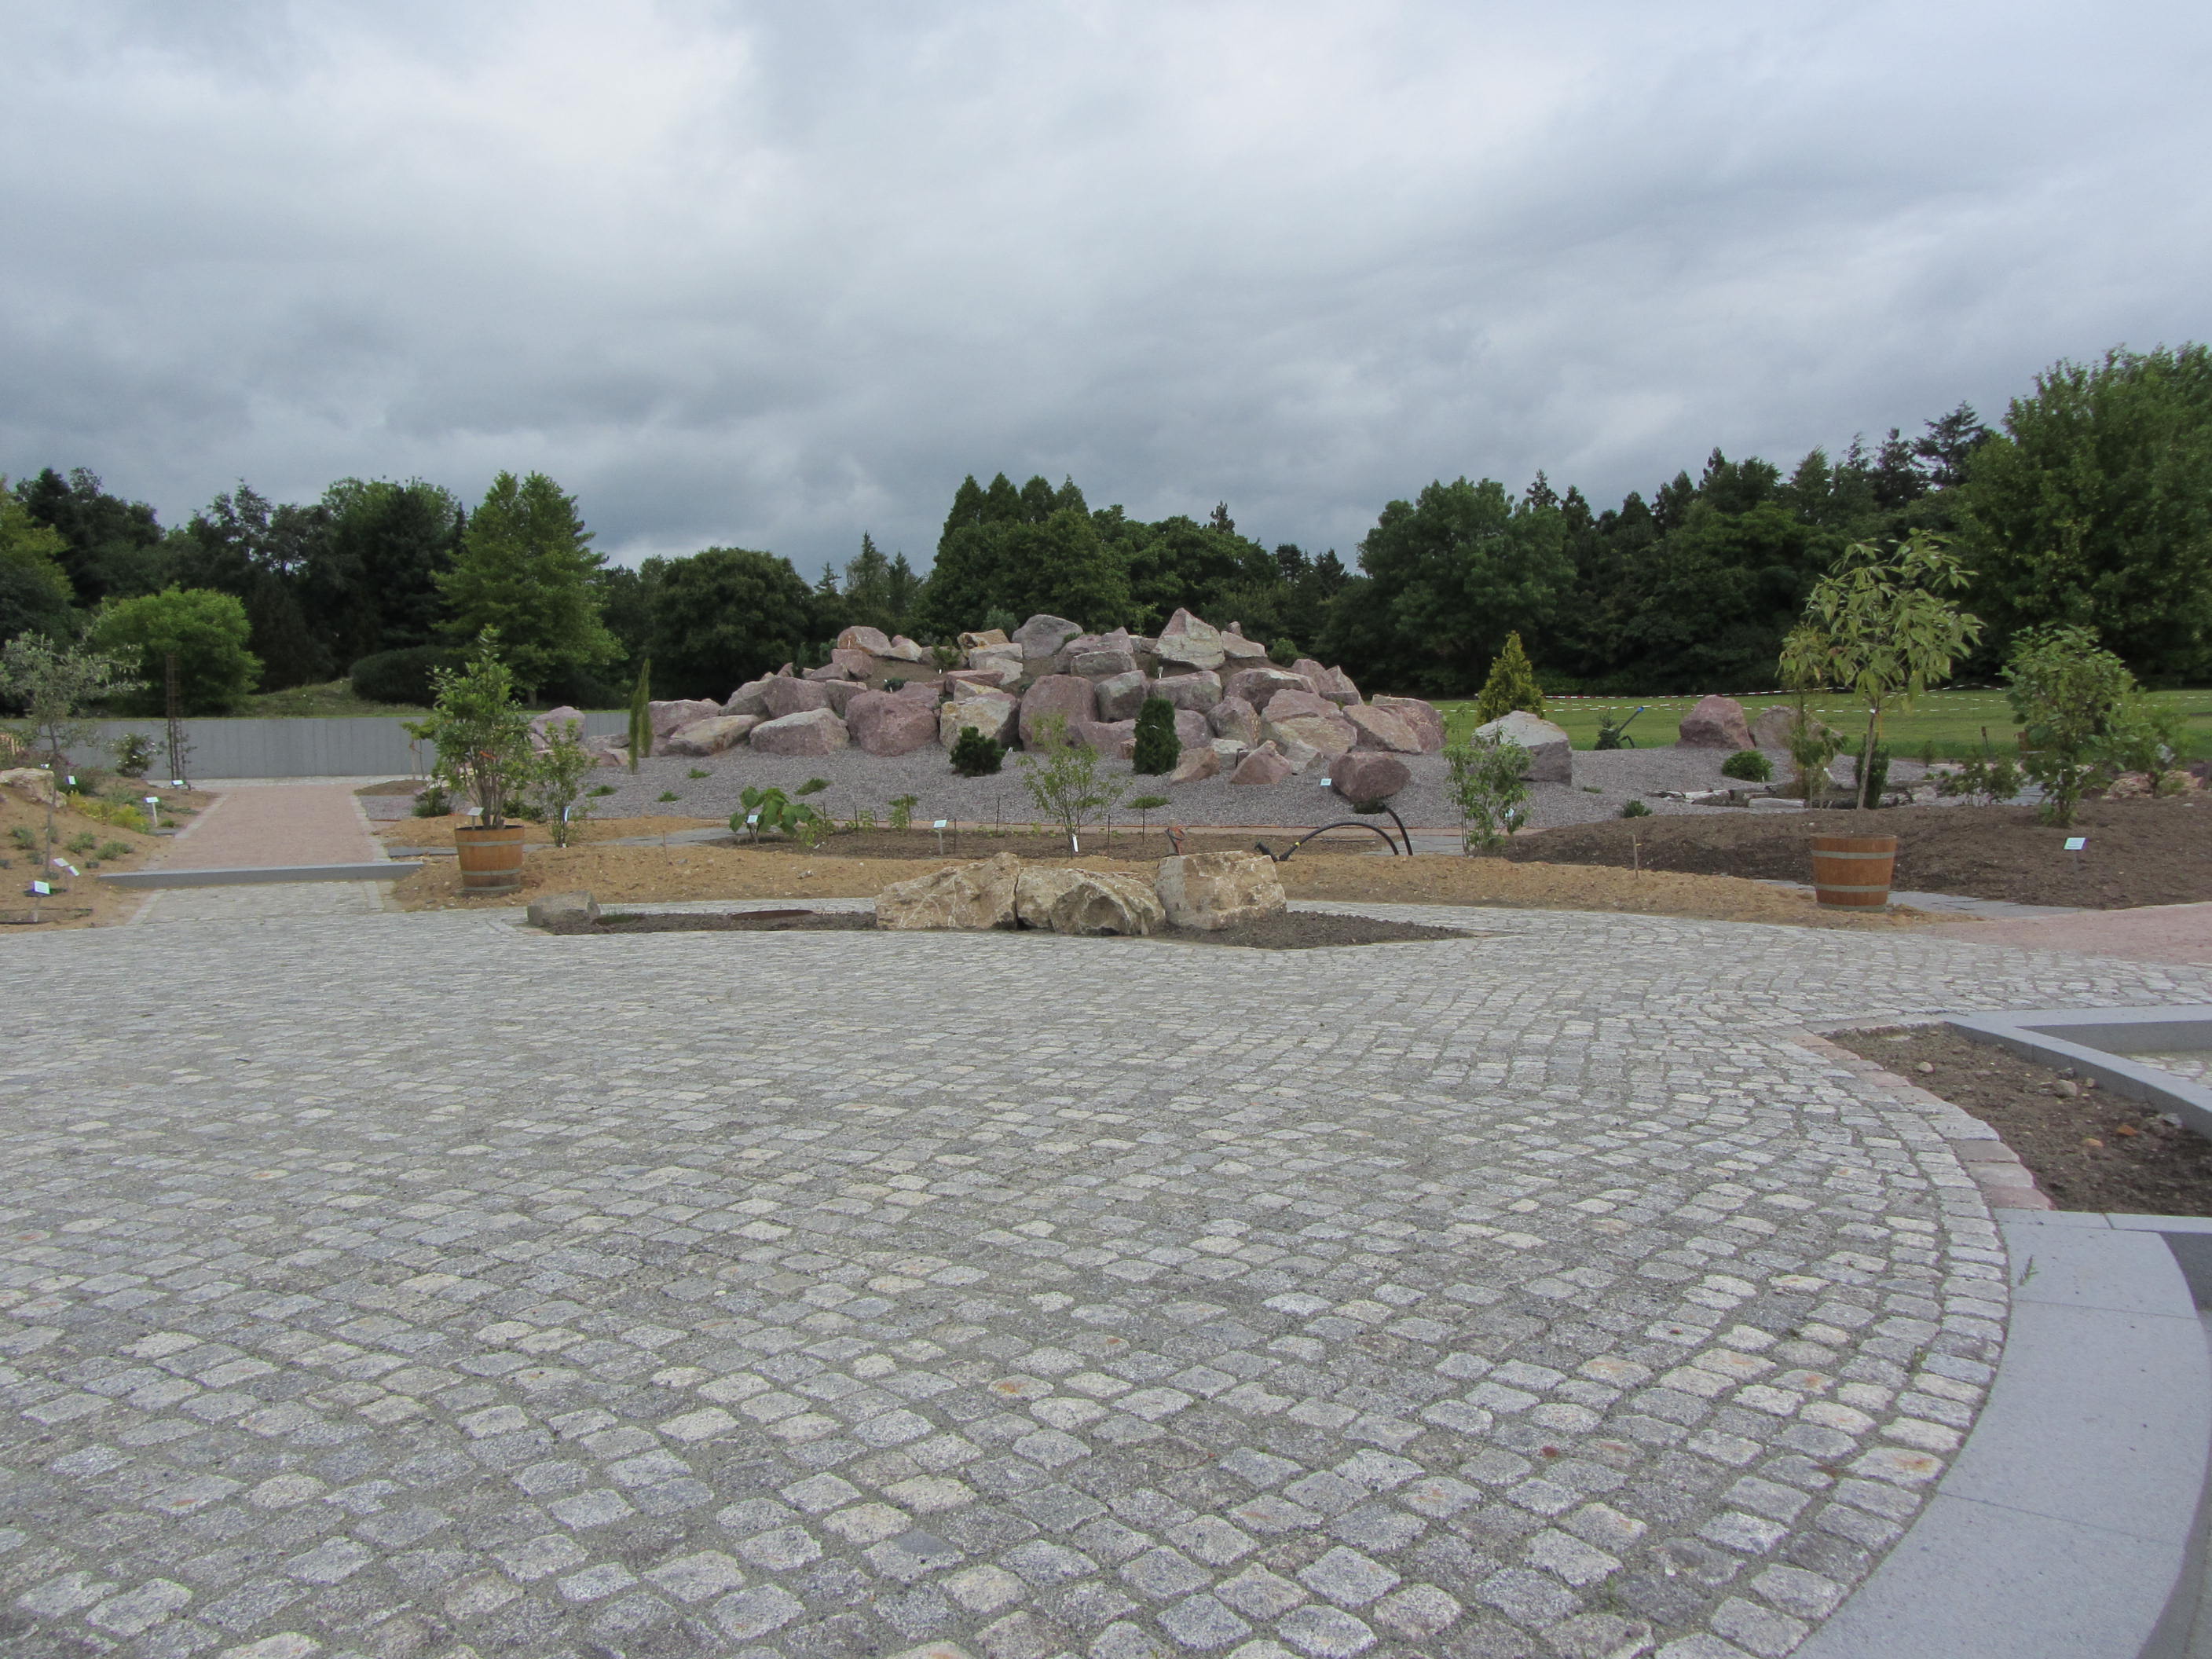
[972, 678]
[1004, 663]
[1211, 891]
[868, 641]
[1233, 717]
[1237, 652]
[675, 715]
[1102, 662]
[1199, 689]
[982, 639]
[996, 714]
[1257, 686]
[1231, 751]
[891, 723]
[810, 732]
[1186, 642]
[1715, 723]
[1378, 728]
[1041, 636]
[710, 736]
[1264, 765]
[1551, 752]
[1069, 695]
[750, 698]
[554, 910]
[969, 895]
[1367, 775]
[1301, 755]
[1091, 903]
[35, 782]
[1427, 722]
[902, 650]
[1200, 760]
[1330, 734]
[1121, 696]
[785, 697]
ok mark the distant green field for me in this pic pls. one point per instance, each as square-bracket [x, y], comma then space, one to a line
[1951, 720]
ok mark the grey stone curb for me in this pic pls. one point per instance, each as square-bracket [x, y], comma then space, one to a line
[382, 870]
[2097, 1041]
[2070, 1523]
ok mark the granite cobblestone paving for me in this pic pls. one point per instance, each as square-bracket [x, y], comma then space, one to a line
[391, 1286]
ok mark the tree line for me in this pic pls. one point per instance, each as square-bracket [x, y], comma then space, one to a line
[2089, 505]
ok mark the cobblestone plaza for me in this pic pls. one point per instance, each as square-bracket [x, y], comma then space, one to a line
[402, 1285]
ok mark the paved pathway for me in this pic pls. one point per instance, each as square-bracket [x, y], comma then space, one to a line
[418, 1285]
[256, 827]
[2154, 933]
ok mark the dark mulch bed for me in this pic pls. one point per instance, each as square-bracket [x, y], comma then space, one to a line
[2089, 1151]
[2140, 852]
[1291, 930]
[1129, 842]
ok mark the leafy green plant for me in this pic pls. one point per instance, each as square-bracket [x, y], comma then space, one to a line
[1989, 777]
[1635, 809]
[811, 787]
[895, 684]
[1878, 624]
[1511, 685]
[482, 733]
[2078, 709]
[1485, 785]
[434, 802]
[772, 811]
[134, 753]
[1144, 806]
[901, 810]
[667, 795]
[114, 849]
[946, 657]
[975, 755]
[1158, 748]
[554, 787]
[599, 789]
[1813, 746]
[82, 843]
[1749, 765]
[1062, 779]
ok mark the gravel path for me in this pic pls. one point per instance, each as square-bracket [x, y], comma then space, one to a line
[1604, 782]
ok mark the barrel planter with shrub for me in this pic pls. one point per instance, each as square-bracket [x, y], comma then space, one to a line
[490, 859]
[1853, 872]
[482, 737]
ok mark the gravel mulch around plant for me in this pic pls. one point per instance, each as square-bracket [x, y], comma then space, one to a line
[2139, 851]
[2087, 1148]
[1605, 781]
[1298, 930]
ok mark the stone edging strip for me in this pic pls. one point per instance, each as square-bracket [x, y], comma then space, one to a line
[383, 870]
[2097, 1041]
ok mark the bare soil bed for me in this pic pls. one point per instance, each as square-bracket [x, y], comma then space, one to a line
[82, 900]
[2139, 851]
[1304, 930]
[2087, 1148]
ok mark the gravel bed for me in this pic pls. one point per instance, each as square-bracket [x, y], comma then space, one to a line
[1605, 781]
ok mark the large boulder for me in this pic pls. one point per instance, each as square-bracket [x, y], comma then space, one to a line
[975, 896]
[1301, 753]
[994, 713]
[1258, 686]
[844, 664]
[1115, 739]
[35, 781]
[1427, 723]
[1337, 686]
[868, 641]
[1090, 903]
[750, 698]
[840, 693]
[891, 723]
[793, 696]
[1237, 652]
[1041, 637]
[1187, 643]
[1715, 723]
[675, 715]
[982, 639]
[1199, 689]
[1551, 752]
[1003, 663]
[543, 727]
[1200, 760]
[1122, 695]
[1070, 696]
[710, 736]
[902, 650]
[1102, 662]
[1191, 727]
[1264, 765]
[1289, 719]
[1378, 728]
[1367, 775]
[1211, 891]
[1233, 717]
[810, 732]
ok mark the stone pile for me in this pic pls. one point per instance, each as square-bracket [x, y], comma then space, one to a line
[1236, 713]
[1207, 890]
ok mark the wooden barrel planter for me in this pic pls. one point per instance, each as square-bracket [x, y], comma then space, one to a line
[1853, 871]
[490, 859]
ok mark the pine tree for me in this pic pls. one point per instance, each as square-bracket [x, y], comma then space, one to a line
[524, 569]
[1158, 748]
[1511, 685]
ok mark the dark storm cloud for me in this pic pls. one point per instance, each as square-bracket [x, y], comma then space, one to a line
[772, 275]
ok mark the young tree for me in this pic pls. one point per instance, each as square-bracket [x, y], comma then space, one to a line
[483, 735]
[553, 781]
[208, 631]
[1877, 625]
[1062, 779]
[524, 569]
[55, 685]
[2078, 708]
[1511, 685]
[1487, 786]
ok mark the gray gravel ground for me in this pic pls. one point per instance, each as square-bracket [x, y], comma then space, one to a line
[1604, 782]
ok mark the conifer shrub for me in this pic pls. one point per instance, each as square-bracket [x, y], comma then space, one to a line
[1511, 685]
[1749, 765]
[976, 756]
[1158, 748]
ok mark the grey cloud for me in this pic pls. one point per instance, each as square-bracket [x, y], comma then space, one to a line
[772, 275]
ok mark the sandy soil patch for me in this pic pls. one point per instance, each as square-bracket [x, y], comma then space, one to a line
[108, 906]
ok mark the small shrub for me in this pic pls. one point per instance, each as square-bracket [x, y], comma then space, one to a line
[114, 849]
[1749, 765]
[1635, 809]
[895, 685]
[975, 755]
[82, 843]
[134, 753]
[1062, 779]
[1158, 748]
[21, 835]
[811, 787]
[1284, 652]
[553, 784]
[901, 810]
[434, 802]
[1511, 685]
[667, 795]
[598, 789]
[1487, 787]
[698, 772]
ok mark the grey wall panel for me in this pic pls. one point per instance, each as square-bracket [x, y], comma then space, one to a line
[368, 746]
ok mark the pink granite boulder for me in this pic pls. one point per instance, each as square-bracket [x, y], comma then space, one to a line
[888, 723]
[1715, 723]
[710, 736]
[1366, 775]
[1121, 696]
[1069, 695]
[783, 698]
[1233, 717]
[1257, 686]
[868, 641]
[1427, 723]
[1378, 728]
[1263, 765]
[1199, 689]
[675, 714]
[809, 732]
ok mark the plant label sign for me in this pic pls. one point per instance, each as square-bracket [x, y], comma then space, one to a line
[941, 822]
[752, 817]
[42, 889]
[2075, 843]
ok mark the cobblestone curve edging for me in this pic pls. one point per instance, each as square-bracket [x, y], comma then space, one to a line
[421, 1283]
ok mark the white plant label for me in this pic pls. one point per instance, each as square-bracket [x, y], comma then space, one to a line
[2075, 843]
[941, 822]
[42, 889]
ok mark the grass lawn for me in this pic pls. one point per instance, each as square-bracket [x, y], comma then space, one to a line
[333, 699]
[1951, 720]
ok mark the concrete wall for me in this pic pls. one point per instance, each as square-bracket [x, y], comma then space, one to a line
[371, 746]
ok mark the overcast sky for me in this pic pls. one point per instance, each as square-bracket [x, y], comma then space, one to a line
[769, 276]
